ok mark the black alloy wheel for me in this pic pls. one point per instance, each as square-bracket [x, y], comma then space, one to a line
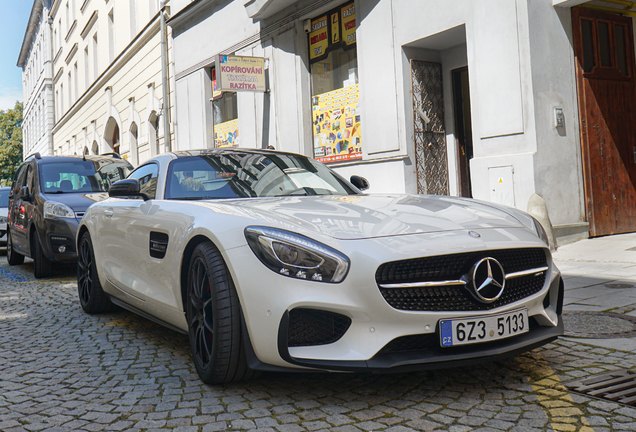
[42, 266]
[13, 258]
[92, 298]
[214, 320]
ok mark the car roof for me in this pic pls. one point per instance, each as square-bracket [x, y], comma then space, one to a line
[228, 150]
[74, 158]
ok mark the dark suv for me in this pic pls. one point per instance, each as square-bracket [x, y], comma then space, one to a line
[48, 198]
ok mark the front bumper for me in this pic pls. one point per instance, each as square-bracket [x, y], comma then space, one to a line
[58, 239]
[267, 300]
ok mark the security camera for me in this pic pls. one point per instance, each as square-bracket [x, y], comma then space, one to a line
[307, 25]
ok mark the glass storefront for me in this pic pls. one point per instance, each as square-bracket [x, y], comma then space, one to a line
[334, 86]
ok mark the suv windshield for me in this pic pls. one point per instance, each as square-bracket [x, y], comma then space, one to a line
[240, 175]
[81, 176]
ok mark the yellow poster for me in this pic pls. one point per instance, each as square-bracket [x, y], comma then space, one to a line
[349, 24]
[335, 28]
[318, 39]
[226, 134]
[336, 125]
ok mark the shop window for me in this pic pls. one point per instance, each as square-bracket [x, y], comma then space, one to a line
[225, 114]
[334, 85]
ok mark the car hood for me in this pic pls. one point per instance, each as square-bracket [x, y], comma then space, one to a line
[79, 202]
[369, 216]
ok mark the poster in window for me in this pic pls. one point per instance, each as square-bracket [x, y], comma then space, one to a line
[335, 28]
[336, 125]
[318, 38]
[226, 134]
[349, 24]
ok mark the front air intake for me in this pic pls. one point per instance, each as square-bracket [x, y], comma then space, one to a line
[309, 327]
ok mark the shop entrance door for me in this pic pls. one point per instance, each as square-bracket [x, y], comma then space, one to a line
[604, 50]
[429, 132]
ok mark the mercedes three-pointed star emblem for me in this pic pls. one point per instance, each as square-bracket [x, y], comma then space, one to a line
[489, 280]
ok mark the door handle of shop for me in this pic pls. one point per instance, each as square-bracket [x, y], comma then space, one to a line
[108, 213]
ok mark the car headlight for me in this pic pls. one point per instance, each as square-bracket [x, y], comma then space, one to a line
[296, 256]
[4, 219]
[538, 228]
[54, 210]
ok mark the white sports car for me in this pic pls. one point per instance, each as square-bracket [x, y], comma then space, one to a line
[271, 261]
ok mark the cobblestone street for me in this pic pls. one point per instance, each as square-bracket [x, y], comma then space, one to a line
[61, 369]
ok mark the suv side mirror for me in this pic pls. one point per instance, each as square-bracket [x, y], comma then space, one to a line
[359, 182]
[126, 188]
[24, 194]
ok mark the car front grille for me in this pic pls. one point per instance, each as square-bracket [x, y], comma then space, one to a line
[452, 268]
[309, 327]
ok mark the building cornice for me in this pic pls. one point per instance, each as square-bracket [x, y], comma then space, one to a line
[34, 21]
[70, 31]
[71, 53]
[89, 25]
[83, 8]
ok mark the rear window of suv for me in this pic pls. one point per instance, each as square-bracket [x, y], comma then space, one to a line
[81, 176]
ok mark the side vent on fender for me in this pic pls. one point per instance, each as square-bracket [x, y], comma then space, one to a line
[158, 244]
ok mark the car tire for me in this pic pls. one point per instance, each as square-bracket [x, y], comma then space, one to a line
[13, 258]
[213, 313]
[42, 266]
[92, 297]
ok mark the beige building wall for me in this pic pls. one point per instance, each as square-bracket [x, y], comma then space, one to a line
[108, 77]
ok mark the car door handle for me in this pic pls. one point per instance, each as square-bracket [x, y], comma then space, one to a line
[108, 213]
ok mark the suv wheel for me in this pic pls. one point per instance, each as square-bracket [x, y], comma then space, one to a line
[42, 267]
[13, 258]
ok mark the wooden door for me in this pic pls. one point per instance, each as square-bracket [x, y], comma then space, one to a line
[604, 50]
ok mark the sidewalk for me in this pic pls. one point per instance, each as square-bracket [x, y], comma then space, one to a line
[600, 281]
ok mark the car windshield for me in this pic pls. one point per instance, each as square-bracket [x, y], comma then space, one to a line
[245, 174]
[4, 198]
[81, 176]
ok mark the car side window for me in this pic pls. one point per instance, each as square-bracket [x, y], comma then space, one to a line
[147, 177]
[29, 179]
[17, 180]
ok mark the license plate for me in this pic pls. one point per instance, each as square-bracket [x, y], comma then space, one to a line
[462, 331]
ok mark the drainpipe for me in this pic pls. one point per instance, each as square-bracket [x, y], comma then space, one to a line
[164, 78]
[50, 21]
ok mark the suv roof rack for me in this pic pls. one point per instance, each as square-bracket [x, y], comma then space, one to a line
[113, 154]
[36, 155]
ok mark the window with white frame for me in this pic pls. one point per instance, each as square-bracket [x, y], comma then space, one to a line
[111, 35]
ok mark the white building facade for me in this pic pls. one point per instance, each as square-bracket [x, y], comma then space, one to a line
[488, 99]
[111, 78]
[35, 62]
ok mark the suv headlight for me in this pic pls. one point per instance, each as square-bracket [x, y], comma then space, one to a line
[296, 256]
[4, 219]
[54, 210]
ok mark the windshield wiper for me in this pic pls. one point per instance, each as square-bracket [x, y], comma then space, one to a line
[56, 192]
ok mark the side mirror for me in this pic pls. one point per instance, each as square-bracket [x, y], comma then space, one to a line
[24, 194]
[359, 182]
[126, 188]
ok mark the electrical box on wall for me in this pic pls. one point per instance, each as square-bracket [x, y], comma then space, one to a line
[501, 183]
